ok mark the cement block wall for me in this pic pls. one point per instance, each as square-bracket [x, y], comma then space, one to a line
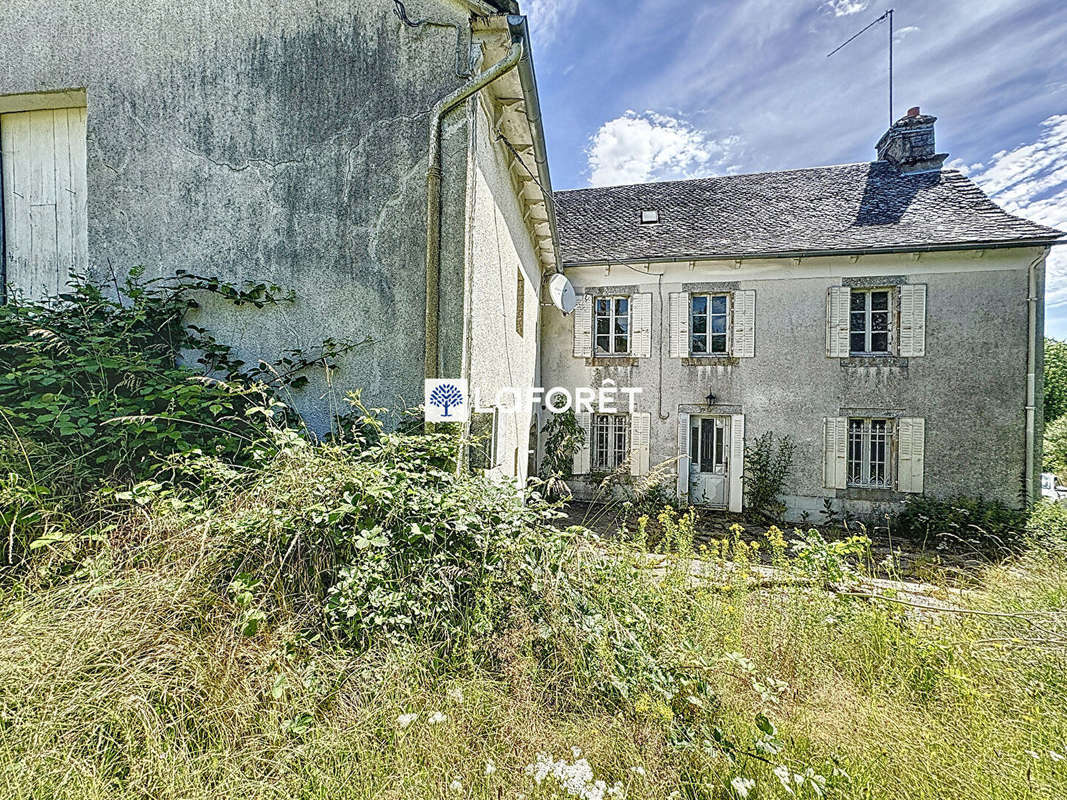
[270, 142]
[970, 387]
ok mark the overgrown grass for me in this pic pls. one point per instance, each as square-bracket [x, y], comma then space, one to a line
[127, 669]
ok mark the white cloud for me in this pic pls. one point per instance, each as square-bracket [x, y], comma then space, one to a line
[636, 148]
[844, 8]
[1030, 180]
[901, 33]
[547, 17]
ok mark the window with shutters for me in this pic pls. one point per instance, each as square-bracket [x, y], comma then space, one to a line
[870, 449]
[611, 441]
[869, 322]
[611, 325]
[709, 324]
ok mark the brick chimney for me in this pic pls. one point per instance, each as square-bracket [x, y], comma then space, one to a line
[909, 144]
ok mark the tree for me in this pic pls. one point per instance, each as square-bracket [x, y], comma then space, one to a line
[1055, 379]
[1055, 458]
[446, 395]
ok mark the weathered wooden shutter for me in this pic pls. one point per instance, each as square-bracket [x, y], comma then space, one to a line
[44, 187]
[581, 463]
[913, 319]
[911, 432]
[837, 300]
[583, 327]
[744, 321]
[641, 325]
[835, 452]
[679, 322]
[640, 430]
[683, 456]
[737, 461]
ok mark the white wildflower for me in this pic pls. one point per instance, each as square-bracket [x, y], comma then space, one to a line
[436, 717]
[1033, 755]
[576, 779]
[406, 719]
[638, 770]
[490, 767]
[742, 786]
[1055, 756]
[456, 786]
[456, 695]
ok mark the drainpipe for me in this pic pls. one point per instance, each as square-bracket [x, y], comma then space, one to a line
[433, 186]
[1034, 293]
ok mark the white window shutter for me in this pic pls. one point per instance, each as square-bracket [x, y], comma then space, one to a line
[683, 456]
[679, 336]
[912, 434]
[913, 319]
[583, 327]
[835, 452]
[744, 321]
[581, 464]
[641, 325]
[737, 461]
[837, 303]
[640, 430]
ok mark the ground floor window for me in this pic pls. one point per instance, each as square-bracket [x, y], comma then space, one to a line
[869, 452]
[611, 441]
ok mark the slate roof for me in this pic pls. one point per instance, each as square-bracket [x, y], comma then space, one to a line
[850, 208]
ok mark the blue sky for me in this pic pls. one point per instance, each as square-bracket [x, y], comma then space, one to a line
[638, 90]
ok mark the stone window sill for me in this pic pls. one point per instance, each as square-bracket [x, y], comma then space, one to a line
[711, 361]
[611, 361]
[871, 495]
[875, 361]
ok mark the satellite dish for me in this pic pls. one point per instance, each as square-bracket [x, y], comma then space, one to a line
[562, 293]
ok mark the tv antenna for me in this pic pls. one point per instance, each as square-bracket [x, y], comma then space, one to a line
[888, 15]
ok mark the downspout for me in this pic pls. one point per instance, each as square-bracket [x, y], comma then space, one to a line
[1034, 293]
[433, 190]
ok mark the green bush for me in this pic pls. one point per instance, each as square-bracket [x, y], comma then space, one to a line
[768, 461]
[1047, 524]
[986, 527]
[96, 383]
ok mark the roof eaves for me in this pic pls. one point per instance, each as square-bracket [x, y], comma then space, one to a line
[845, 251]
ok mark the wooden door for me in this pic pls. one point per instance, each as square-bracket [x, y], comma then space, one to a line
[44, 199]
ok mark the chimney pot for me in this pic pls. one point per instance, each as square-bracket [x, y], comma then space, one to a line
[913, 111]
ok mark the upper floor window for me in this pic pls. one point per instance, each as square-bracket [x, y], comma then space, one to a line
[869, 322]
[708, 324]
[611, 441]
[869, 453]
[611, 321]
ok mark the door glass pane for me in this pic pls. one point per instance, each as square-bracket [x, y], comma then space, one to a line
[694, 444]
[720, 444]
[707, 445]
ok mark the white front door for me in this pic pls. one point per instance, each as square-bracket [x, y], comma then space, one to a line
[709, 455]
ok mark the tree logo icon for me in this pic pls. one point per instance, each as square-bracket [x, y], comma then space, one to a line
[446, 401]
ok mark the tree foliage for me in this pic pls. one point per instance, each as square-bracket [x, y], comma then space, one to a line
[1055, 379]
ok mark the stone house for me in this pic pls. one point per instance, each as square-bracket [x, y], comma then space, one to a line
[887, 316]
[236, 141]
